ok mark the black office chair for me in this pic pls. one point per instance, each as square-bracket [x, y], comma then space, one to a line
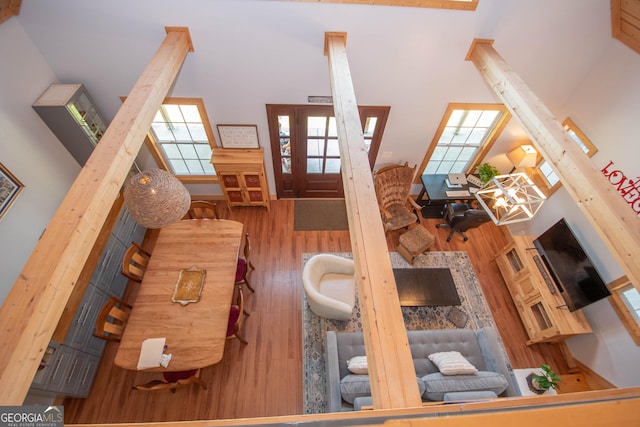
[460, 217]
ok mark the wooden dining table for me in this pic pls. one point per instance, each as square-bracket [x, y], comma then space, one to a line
[196, 332]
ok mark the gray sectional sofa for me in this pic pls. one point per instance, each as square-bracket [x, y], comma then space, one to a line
[480, 348]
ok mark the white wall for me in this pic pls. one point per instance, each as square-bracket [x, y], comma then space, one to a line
[29, 150]
[606, 106]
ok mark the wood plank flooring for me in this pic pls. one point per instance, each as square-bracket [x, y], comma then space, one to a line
[264, 378]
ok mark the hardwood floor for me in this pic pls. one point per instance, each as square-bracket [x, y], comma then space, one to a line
[264, 378]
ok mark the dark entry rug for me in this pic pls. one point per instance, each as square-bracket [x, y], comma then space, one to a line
[419, 287]
[317, 215]
[472, 313]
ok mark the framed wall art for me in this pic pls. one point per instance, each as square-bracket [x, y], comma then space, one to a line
[10, 187]
[238, 136]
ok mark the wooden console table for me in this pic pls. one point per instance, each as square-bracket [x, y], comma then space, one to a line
[543, 313]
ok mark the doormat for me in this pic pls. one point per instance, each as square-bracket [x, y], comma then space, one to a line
[317, 215]
[419, 287]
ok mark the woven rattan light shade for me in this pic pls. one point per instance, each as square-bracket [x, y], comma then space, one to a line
[156, 198]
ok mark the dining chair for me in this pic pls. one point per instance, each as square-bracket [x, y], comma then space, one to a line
[112, 319]
[237, 313]
[134, 262]
[202, 209]
[172, 381]
[244, 264]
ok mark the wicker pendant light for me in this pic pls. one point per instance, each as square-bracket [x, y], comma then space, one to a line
[156, 198]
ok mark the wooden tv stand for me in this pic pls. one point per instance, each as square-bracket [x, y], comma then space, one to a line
[542, 310]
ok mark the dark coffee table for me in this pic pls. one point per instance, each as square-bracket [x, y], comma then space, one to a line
[419, 287]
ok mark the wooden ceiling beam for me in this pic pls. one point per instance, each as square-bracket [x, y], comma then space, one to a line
[34, 305]
[433, 4]
[391, 371]
[608, 212]
[9, 8]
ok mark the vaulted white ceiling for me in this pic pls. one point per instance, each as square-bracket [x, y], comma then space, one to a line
[249, 53]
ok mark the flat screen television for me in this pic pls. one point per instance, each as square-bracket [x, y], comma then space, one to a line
[569, 266]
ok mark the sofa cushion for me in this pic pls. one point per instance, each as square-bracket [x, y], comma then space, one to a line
[437, 385]
[452, 363]
[358, 365]
[425, 342]
[353, 386]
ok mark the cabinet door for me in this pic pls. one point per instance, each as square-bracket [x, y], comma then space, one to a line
[80, 335]
[110, 265]
[46, 366]
[86, 376]
[511, 264]
[253, 184]
[125, 227]
[230, 180]
[118, 285]
[80, 376]
[59, 368]
[104, 270]
[538, 320]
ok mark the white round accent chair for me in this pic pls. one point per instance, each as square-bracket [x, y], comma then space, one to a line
[330, 285]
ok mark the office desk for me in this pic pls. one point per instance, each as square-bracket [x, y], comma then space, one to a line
[195, 333]
[435, 188]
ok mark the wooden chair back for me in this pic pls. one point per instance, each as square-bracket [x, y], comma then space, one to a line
[393, 184]
[112, 319]
[163, 384]
[201, 209]
[241, 312]
[134, 262]
[246, 251]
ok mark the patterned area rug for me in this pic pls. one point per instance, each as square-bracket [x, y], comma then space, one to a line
[473, 313]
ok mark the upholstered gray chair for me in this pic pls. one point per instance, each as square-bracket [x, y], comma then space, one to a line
[330, 286]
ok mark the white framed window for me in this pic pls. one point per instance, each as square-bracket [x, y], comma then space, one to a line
[579, 137]
[465, 133]
[625, 299]
[181, 139]
[543, 174]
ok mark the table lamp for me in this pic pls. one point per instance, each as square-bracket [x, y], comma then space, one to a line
[525, 156]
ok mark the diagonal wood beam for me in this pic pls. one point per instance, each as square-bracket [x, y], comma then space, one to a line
[391, 372]
[609, 214]
[32, 309]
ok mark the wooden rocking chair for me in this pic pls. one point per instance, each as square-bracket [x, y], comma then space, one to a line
[392, 184]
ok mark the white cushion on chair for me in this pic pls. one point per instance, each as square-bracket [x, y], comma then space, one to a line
[330, 286]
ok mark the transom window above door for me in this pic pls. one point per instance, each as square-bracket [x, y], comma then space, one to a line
[466, 132]
[181, 138]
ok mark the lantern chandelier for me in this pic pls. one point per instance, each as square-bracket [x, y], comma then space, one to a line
[510, 198]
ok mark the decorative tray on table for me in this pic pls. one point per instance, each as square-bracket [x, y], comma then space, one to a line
[189, 286]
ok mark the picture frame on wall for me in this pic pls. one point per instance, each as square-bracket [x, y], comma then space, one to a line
[10, 187]
[238, 136]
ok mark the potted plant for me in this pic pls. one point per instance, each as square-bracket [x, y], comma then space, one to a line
[540, 383]
[486, 172]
